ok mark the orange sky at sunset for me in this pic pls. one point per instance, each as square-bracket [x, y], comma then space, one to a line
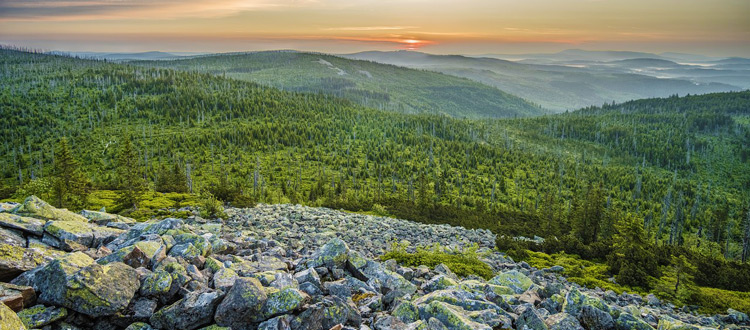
[717, 27]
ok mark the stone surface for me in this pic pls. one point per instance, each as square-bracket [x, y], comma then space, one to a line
[191, 312]
[9, 320]
[40, 315]
[295, 268]
[242, 304]
[16, 297]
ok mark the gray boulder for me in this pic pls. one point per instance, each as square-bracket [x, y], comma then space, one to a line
[191, 312]
[242, 304]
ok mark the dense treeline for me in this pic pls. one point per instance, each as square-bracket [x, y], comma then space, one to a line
[671, 173]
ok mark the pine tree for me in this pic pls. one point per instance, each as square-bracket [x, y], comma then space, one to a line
[633, 259]
[130, 173]
[70, 185]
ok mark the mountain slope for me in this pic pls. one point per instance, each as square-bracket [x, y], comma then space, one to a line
[372, 84]
[679, 166]
[556, 87]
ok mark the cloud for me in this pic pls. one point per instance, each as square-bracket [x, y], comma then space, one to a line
[60, 10]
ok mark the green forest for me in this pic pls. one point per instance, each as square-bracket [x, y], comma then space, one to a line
[653, 191]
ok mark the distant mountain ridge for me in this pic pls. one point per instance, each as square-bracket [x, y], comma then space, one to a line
[574, 80]
[372, 84]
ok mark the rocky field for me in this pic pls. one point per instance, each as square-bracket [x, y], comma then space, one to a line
[286, 267]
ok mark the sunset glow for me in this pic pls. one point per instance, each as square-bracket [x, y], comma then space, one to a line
[716, 27]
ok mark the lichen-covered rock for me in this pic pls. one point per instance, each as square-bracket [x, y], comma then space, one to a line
[37, 208]
[439, 282]
[224, 279]
[9, 320]
[326, 314]
[283, 302]
[668, 323]
[562, 321]
[156, 284]
[242, 304]
[459, 298]
[406, 311]
[453, 317]
[594, 318]
[104, 218]
[335, 253]
[276, 323]
[530, 319]
[308, 275]
[139, 326]
[140, 254]
[76, 282]
[27, 224]
[191, 312]
[626, 321]
[40, 315]
[738, 317]
[514, 280]
[15, 260]
[573, 302]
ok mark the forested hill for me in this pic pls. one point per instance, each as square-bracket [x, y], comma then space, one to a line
[375, 85]
[580, 179]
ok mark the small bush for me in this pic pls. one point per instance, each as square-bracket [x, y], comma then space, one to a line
[379, 210]
[211, 207]
[463, 263]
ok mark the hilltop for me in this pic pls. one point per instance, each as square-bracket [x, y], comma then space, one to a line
[375, 85]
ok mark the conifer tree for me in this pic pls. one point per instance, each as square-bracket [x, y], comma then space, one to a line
[70, 185]
[632, 260]
[129, 172]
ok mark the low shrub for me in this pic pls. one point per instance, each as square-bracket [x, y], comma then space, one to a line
[463, 263]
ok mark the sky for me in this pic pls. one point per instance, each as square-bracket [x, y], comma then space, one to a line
[707, 27]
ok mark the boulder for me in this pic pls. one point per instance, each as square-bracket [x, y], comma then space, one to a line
[156, 284]
[224, 279]
[530, 319]
[40, 315]
[452, 317]
[335, 253]
[276, 323]
[439, 282]
[16, 297]
[326, 314]
[283, 302]
[26, 224]
[514, 280]
[37, 208]
[562, 321]
[139, 326]
[406, 312]
[594, 318]
[191, 312]
[15, 260]
[141, 254]
[76, 282]
[9, 320]
[626, 321]
[104, 218]
[242, 304]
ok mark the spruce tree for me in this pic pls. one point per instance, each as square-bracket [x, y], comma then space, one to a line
[633, 260]
[129, 172]
[70, 185]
